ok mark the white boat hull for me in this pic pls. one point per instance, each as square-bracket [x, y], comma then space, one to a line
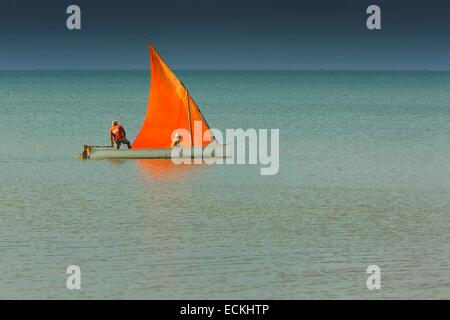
[107, 152]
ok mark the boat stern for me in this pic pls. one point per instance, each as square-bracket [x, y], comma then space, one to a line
[86, 152]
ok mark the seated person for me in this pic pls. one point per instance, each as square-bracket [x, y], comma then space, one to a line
[176, 140]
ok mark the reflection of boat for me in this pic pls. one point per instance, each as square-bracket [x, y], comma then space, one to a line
[170, 108]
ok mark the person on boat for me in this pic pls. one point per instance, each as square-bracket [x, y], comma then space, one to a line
[176, 140]
[118, 135]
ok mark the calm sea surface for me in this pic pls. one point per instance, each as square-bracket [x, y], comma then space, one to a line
[364, 179]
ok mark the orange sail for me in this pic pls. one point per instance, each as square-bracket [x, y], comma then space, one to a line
[170, 108]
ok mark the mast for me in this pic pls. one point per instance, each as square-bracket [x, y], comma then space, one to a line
[189, 116]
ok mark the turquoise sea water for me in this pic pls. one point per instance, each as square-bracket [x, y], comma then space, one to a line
[364, 179]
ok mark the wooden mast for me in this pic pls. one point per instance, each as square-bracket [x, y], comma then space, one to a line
[189, 116]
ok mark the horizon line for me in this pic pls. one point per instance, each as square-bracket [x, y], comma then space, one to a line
[230, 69]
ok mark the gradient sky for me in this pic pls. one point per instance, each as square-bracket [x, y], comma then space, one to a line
[231, 34]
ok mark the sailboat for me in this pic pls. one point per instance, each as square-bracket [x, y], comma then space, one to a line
[170, 108]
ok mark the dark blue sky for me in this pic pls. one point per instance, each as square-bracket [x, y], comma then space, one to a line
[231, 34]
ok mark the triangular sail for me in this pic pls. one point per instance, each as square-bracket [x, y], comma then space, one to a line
[170, 107]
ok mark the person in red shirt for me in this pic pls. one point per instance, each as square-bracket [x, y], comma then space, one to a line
[117, 134]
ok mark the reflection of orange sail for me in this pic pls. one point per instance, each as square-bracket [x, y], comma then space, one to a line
[170, 107]
[157, 170]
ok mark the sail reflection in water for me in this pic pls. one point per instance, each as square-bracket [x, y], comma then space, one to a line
[160, 170]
